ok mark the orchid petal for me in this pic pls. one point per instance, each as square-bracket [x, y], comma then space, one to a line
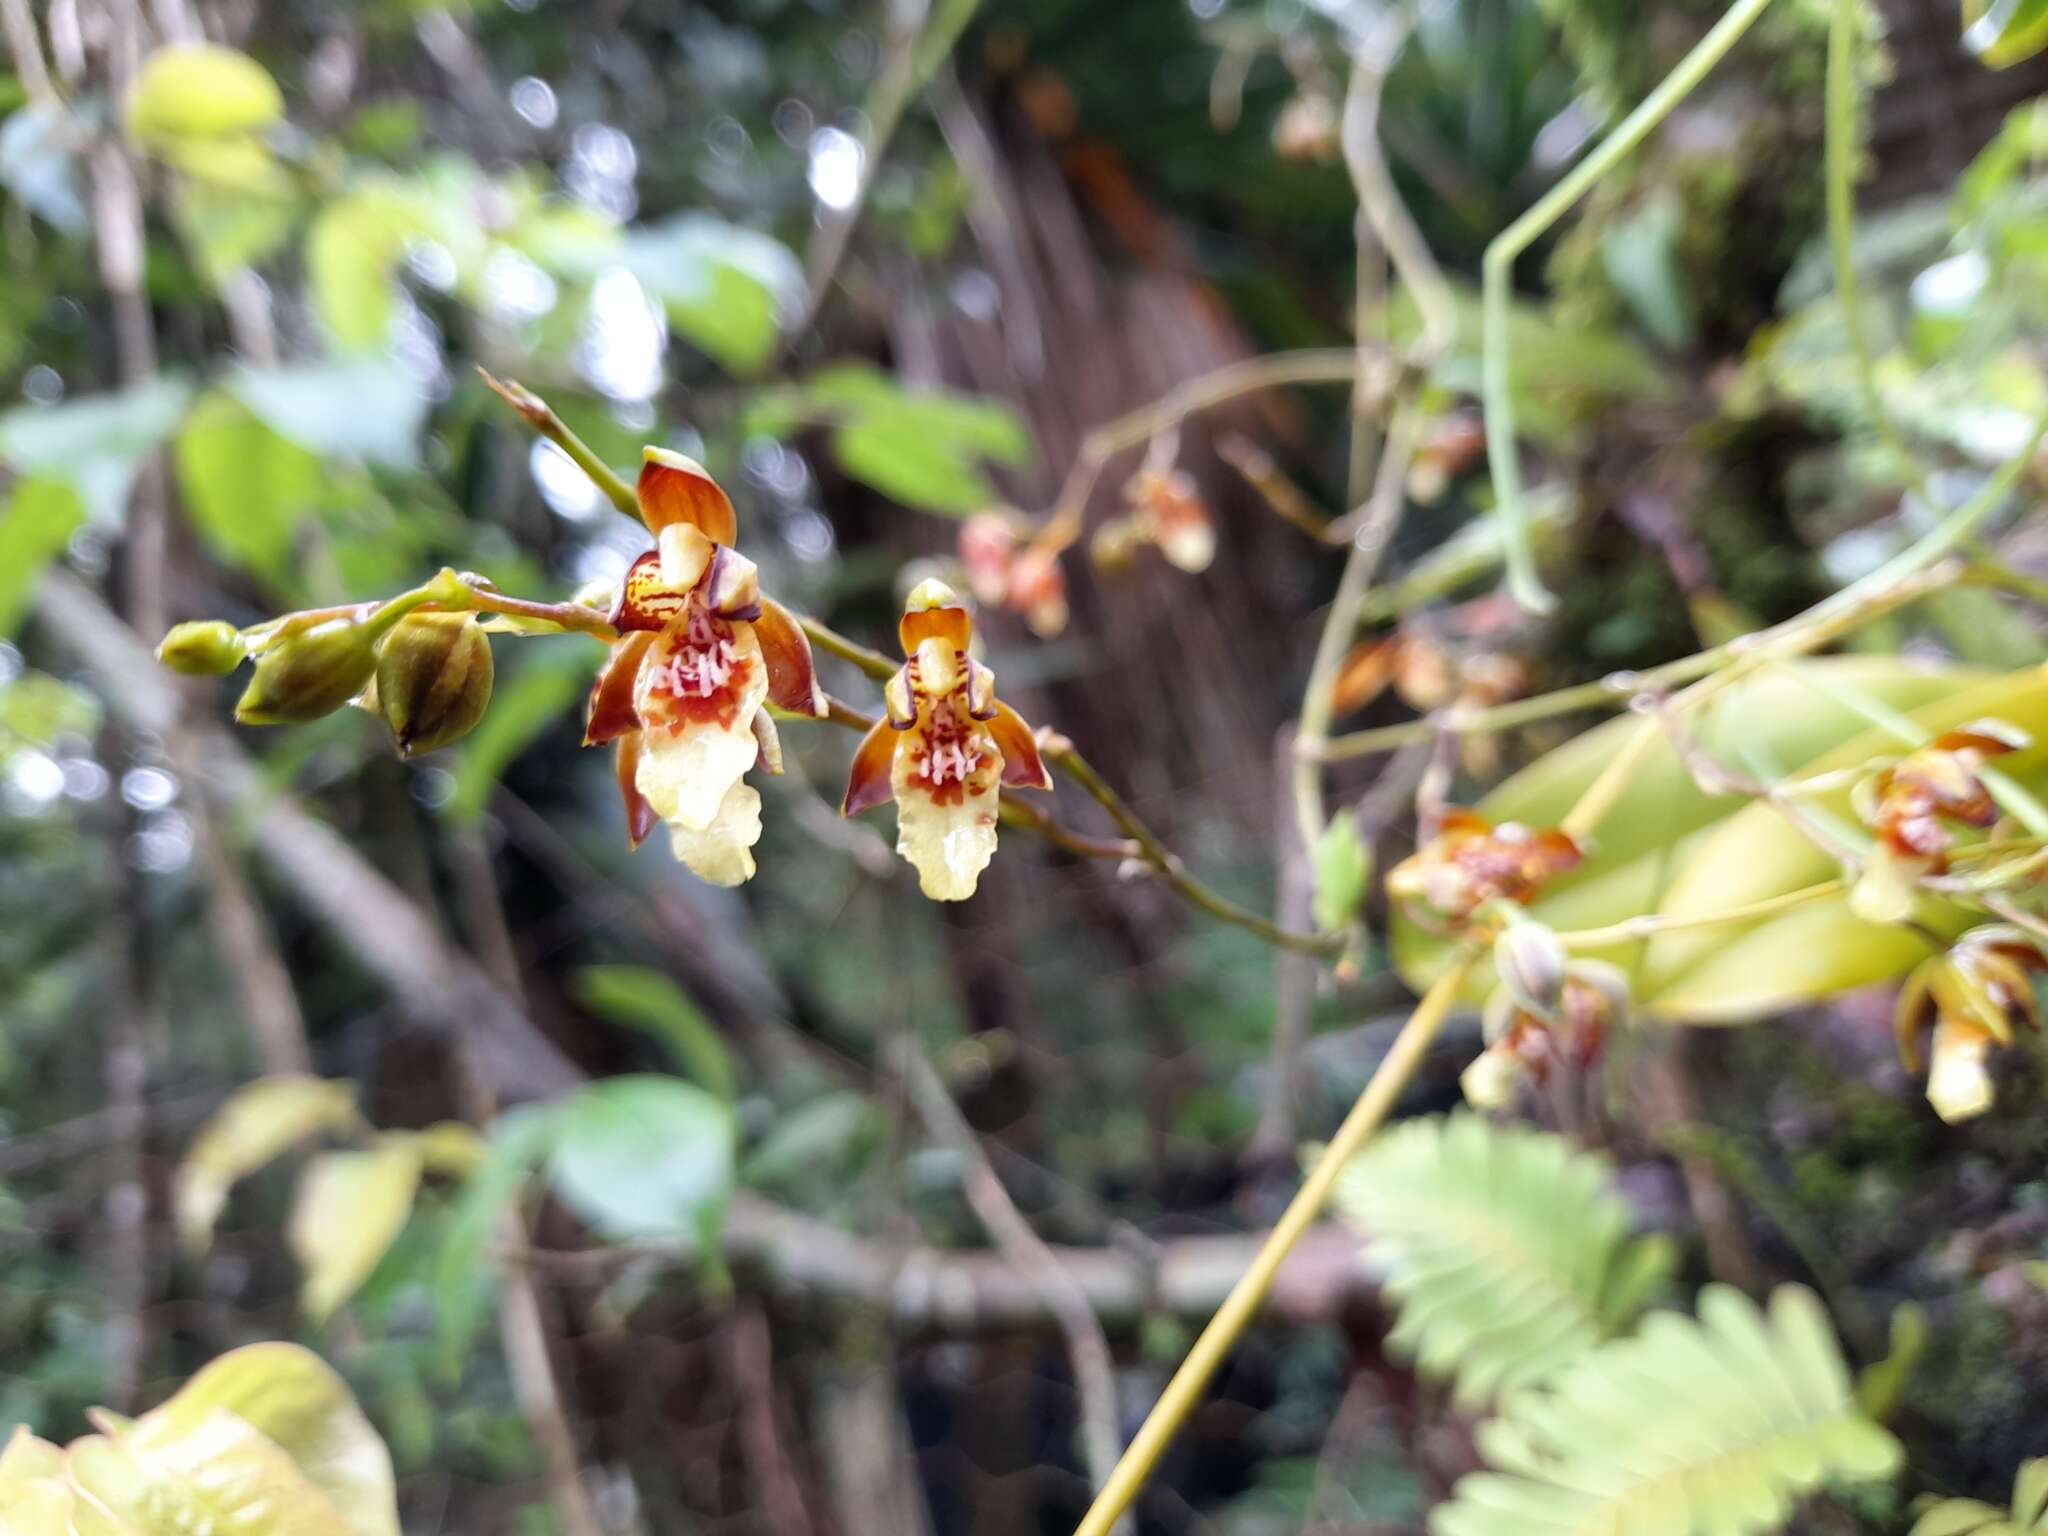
[792, 671]
[646, 601]
[950, 841]
[641, 818]
[675, 488]
[611, 698]
[722, 853]
[870, 782]
[732, 587]
[1023, 768]
[685, 555]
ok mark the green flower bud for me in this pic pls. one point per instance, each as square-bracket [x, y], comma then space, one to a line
[433, 680]
[207, 648]
[311, 674]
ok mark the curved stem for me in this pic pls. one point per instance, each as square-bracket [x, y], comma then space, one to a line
[1498, 270]
[1184, 1392]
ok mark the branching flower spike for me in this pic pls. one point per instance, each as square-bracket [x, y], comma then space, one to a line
[944, 750]
[699, 653]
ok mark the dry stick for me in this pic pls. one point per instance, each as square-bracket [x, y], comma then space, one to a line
[1185, 1390]
[1087, 1348]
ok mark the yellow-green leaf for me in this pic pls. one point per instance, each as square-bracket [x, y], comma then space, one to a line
[260, 1121]
[350, 1208]
[2005, 32]
[201, 91]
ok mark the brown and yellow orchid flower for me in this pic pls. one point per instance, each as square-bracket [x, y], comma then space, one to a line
[944, 749]
[699, 652]
[1167, 510]
[1974, 995]
[1525, 1043]
[1471, 862]
[1916, 806]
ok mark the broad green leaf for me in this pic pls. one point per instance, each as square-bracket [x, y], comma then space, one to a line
[2005, 32]
[201, 91]
[806, 1147]
[94, 442]
[1343, 866]
[645, 999]
[245, 488]
[258, 1122]
[464, 1280]
[540, 693]
[1646, 855]
[365, 408]
[354, 244]
[36, 523]
[447, 1148]
[35, 709]
[723, 286]
[638, 1157]
[350, 1208]
[283, 1399]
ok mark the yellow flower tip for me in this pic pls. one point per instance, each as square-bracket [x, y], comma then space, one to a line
[1959, 1081]
[668, 458]
[1490, 1081]
[929, 594]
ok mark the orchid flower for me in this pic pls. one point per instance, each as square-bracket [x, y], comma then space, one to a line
[699, 653]
[944, 749]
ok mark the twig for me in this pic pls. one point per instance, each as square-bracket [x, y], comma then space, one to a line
[1087, 1349]
[27, 49]
[1498, 267]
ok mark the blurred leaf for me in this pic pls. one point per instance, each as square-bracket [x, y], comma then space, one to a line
[35, 708]
[644, 999]
[534, 698]
[38, 167]
[1881, 1386]
[257, 1123]
[229, 226]
[350, 1207]
[35, 526]
[643, 1156]
[447, 1147]
[1343, 866]
[200, 91]
[245, 487]
[371, 409]
[815, 1142]
[354, 244]
[1669, 847]
[2005, 32]
[464, 1278]
[724, 287]
[1641, 256]
[385, 129]
[279, 1398]
[94, 442]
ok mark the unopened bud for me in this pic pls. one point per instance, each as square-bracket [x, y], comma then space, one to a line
[206, 648]
[1490, 1081]
[1531, 964]
[1115, 545]
[309, 675]
[433, 680]
[1959, 1077]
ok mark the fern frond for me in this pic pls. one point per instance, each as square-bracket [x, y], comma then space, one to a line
[1972, 1517]
[1508, 1254]
[1707, 1427]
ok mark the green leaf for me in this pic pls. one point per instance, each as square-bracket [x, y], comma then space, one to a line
[35, 709]
[1343, 872]
[643, 1156]
[201, 91]
[351, 1207]
[1882, 1384]
[1962, 1517]
[94, 442]
[259, 1122]
[245, 488]
[464, 1280]
[229, 226]
[723, 287]
[1641, 256]
[535, 697]
[292, 1402]
[831, 1135]
[1507, 1253]
[365, 408]
[1716, 1425]
[354, 244]
[35, 526]
[2005, 32]
[645, 999]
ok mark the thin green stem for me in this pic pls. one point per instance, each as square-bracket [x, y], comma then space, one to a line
[1498, 269]
[541, 416]
[1184, 1392]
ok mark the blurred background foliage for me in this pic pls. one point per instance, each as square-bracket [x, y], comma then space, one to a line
[244, 295]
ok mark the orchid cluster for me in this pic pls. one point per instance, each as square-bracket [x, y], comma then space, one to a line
[700, 662]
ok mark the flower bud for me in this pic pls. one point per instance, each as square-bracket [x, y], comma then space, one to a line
[1959, 1078]
[1492, 1078]
[207, 648]
[1531, 965]
[310, 674]
[433, 680]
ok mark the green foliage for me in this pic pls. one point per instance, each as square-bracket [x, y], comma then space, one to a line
[350, 1208]
[265, 1438]
[2005, 32]
[94, 444]
[920, 449]
[1343, 867]
[723, 287]
[244, 486]
[36, 522]
[1509, 1257]
[640, 1157]
[1707, 1427]
[644, 999]
[527, 703]
[259, 1123]
[2027, 1516]
[201, 92]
